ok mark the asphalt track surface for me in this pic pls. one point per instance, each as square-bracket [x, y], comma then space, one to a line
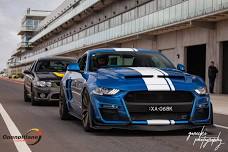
[64, 136]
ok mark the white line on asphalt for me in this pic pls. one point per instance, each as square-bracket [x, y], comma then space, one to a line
[21, 146]
[220, 126]
[220, 112]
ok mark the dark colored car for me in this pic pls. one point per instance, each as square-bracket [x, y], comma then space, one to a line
[42, 80]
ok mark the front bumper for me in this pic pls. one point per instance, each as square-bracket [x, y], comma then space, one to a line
[46, 93]
[112, 112]
[151, 128]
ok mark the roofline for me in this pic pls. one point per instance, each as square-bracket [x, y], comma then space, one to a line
[56, 57]
[41, 10]
[113, 49]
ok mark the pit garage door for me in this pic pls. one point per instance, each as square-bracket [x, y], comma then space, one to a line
[225, 69]
[196, 60]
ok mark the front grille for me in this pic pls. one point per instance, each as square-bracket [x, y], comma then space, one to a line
[151, 116]
[55, 96]
[55, 84]
[159, 97]
[139, 104]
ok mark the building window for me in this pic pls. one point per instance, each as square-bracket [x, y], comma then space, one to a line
[96, 28]
[64, 41]
[82, 34]
[142, 11]
[75, 37]
[70, 39]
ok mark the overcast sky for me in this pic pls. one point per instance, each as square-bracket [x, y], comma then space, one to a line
[11, 13]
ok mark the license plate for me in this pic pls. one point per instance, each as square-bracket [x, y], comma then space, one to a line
[160, 108]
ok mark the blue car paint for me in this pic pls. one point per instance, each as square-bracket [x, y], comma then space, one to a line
[114, 78]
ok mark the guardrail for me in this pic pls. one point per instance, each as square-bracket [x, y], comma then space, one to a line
[23, 45]
[28, 28]
[12, 64]
[37, 12]
[58, 12]
[84, 4]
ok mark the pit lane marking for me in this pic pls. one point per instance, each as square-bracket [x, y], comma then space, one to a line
[21, 146]
[220, 126]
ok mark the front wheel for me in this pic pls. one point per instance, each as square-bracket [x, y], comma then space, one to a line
[33, 101]
[86, 112]
[26, 98]
[63, 110]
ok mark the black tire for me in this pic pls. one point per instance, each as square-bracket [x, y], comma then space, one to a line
[86, 112]
[212, 115]
[63, 110]
[26, 97]
[33, 101]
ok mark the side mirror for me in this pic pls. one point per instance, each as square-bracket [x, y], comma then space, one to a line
[28, 72]
[181, 67]
[73, 67]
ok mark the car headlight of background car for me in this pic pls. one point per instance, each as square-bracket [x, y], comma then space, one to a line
[105, 91]
[201, 91]
[42, 84]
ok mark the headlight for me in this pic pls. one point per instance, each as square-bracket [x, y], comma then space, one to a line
[42, 84]
[48, 84]
[201, 91]
[105, 91]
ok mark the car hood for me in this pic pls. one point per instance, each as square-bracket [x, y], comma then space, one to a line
[148, 78]
[45, 76]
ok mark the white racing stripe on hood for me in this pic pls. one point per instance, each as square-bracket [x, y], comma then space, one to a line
[154, 83]
[135, 49]
[124, 49]
[168, 80]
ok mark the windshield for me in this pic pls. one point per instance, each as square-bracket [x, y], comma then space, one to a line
[128, 59]
[52, 65]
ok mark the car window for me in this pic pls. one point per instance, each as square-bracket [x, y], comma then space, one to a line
[32, 66]
[52, 65]
[129, 59]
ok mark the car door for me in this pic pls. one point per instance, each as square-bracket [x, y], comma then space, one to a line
[77, 85]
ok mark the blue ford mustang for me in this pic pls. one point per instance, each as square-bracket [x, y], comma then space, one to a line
[133, 89]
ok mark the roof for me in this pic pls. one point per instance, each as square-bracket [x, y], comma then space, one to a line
[57, 58]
